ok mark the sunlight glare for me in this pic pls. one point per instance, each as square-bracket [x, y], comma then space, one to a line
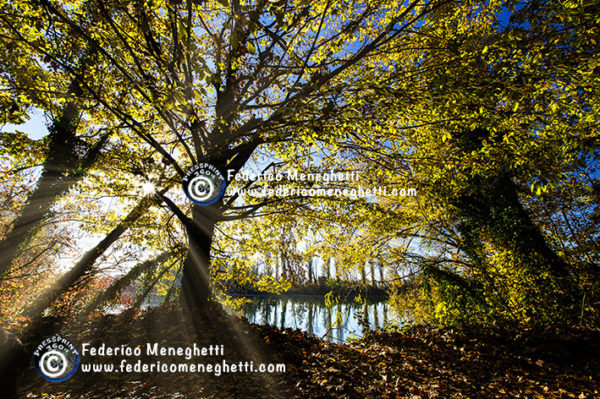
[148, 188]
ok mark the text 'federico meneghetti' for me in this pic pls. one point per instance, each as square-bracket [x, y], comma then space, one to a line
[153, 350]
[294, 175]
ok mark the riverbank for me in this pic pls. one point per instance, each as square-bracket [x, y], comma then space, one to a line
[413, 363]
[336, 290]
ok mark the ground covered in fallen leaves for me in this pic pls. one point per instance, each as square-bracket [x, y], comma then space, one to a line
[413, 363]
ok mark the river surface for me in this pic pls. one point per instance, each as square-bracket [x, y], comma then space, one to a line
[336, 323]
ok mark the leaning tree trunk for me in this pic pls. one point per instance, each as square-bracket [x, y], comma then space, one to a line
[11, 359]
[496, 208]
[52, 183]
[119, 285]
[85, 264]
[63, 168]
[147, 290]
[491, 204]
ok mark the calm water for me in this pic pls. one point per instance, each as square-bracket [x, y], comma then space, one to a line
[336, 323]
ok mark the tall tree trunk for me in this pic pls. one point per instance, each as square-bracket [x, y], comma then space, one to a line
[497, 209]
[328, 268]
[491, 205]
[284, 268]
[372, 269]
[266, 312]
[63, 168]
[195, 283]
[363, 275]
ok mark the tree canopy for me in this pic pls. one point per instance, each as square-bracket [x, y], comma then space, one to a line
[487, 110]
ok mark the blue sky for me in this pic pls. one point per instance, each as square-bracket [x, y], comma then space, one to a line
[35, 127]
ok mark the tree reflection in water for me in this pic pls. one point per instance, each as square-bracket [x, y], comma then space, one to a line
[336, 323]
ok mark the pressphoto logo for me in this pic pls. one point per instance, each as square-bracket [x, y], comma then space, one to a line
[203, 184]
[56, 359]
